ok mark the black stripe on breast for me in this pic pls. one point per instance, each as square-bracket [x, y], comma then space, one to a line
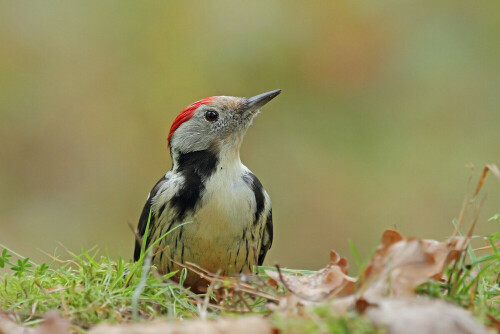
[267, 237]
[159, 212]
[253, 182]
[195, 167]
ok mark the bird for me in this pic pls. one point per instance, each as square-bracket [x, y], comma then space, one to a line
[209, 209]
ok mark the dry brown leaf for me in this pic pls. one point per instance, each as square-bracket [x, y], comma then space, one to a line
[243, 325]
[421, 315]
[53, 324]
[397, 269]
[398, 266]
[8, 325]
[377, 262]
[331, 280]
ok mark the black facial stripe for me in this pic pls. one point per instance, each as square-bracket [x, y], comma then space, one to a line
[253, 182]
[196, 168]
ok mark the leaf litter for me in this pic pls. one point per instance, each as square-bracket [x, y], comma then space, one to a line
[385, 293]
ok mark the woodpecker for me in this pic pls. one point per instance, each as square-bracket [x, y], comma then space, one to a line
[217, 212]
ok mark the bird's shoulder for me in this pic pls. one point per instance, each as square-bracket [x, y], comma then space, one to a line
[263, 213]
[261, 197]
[161, 186]
[252, 181]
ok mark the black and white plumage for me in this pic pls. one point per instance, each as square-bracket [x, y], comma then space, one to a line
[227, 212]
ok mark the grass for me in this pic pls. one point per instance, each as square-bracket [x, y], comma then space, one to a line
[473, 282]
[320, 319]
[89, 289]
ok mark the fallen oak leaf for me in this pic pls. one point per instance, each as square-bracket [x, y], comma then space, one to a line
[252, 324]
[8, 325]
[378, 260]
[54, 324]
[396, 270]
[422, 315]
[398, 266]
[331, 280]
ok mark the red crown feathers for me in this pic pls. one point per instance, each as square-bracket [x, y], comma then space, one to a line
[186, 114]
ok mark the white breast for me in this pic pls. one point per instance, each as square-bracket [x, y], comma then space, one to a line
[228, 204]
[216, 237]
[220, 232]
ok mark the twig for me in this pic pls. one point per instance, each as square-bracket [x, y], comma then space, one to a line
[203, 311]
[59, 260]
[238, 292]
[301, 296]
[137, 237]
[486, 247]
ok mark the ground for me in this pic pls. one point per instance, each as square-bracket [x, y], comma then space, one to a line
[407, 284]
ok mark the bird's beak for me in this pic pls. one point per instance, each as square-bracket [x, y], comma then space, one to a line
[255, 102]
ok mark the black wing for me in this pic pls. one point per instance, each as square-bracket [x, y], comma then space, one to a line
[143, 220]
[267, 238]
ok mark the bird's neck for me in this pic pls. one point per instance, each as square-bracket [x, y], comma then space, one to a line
[206, 162]
[223, 155]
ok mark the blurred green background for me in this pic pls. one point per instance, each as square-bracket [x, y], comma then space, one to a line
[383, 105]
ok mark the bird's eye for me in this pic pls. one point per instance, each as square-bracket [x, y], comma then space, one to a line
[211, 115]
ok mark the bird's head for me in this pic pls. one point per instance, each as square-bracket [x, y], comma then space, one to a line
[217, 123]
